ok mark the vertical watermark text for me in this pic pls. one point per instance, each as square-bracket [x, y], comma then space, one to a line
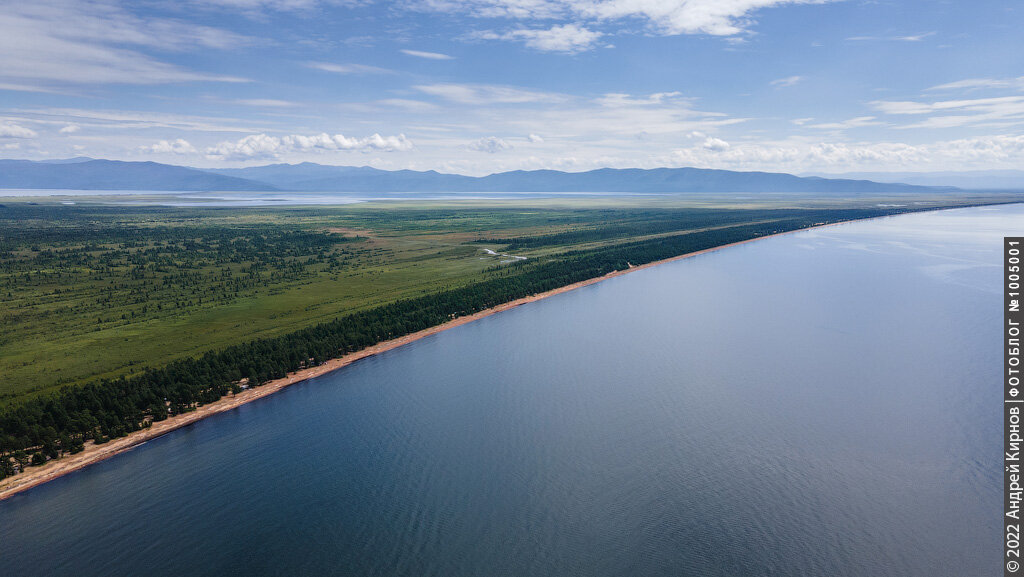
[1013, 401]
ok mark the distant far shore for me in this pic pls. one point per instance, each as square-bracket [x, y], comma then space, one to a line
[95, 453]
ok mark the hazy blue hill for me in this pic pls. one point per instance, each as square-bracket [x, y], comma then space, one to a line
[310, 177]
[116, 175]
[971, 179]
[679, 180]
[89, 174]
[288, 176]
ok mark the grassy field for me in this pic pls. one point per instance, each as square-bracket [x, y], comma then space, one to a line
[93, 290]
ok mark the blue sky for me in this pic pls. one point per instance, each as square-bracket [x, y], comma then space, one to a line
[478, 86]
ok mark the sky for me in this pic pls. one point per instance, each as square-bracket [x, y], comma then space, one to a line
[482, 86]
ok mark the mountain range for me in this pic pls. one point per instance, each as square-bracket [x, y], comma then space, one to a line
[91, 174]
[970, 179]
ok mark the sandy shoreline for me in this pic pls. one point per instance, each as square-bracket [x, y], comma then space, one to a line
[96, 453]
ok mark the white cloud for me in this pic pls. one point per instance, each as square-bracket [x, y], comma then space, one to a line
[9, 130]
[97, 41]
[427, 55]
[135, 119]
[620, 100]
[535, 138]
[264, 102]
[905, 38]
[796, 156]
[257, 146]
[998, 111]
[914, 37]
[348, 68]
[858, 122]
[568, 38]
[407, 104]
[715, 144]
[490, 144]
[487, 94]
[259, 5]
[787, 81]
[667, 17]
[979, 83]
[70, 129]
[179, 146]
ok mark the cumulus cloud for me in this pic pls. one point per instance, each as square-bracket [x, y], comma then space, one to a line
[10, 130]
[257, 146]
[568, 38]
[715, 144]
[427, 55]
[178, 146]
[70, 129]
[490, 144]
[535, 138]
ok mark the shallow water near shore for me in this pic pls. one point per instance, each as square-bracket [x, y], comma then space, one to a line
[820, 403]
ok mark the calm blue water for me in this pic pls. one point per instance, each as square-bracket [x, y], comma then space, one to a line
[822, 403]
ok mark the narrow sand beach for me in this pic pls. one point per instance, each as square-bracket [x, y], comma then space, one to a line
[94, 453]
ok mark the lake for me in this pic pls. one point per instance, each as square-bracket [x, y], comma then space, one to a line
[820, 403]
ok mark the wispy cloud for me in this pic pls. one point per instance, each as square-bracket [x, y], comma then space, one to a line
[130, 119]
[979, 83]
[407, 104]
[787, 81]
[999, 111]
[903, 38]
[264, 102]
[664, 17]
[487, 94]
[859, 122]
[56, 42]
[427, 55]
[567, 38]
[348, 68]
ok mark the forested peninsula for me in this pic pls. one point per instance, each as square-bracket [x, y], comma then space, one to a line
[46, 427]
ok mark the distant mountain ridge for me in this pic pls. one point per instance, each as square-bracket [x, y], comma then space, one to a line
[310, 177]
[90, 174]
[970, 179]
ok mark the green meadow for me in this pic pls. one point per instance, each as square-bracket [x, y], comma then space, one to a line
[94, 290]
